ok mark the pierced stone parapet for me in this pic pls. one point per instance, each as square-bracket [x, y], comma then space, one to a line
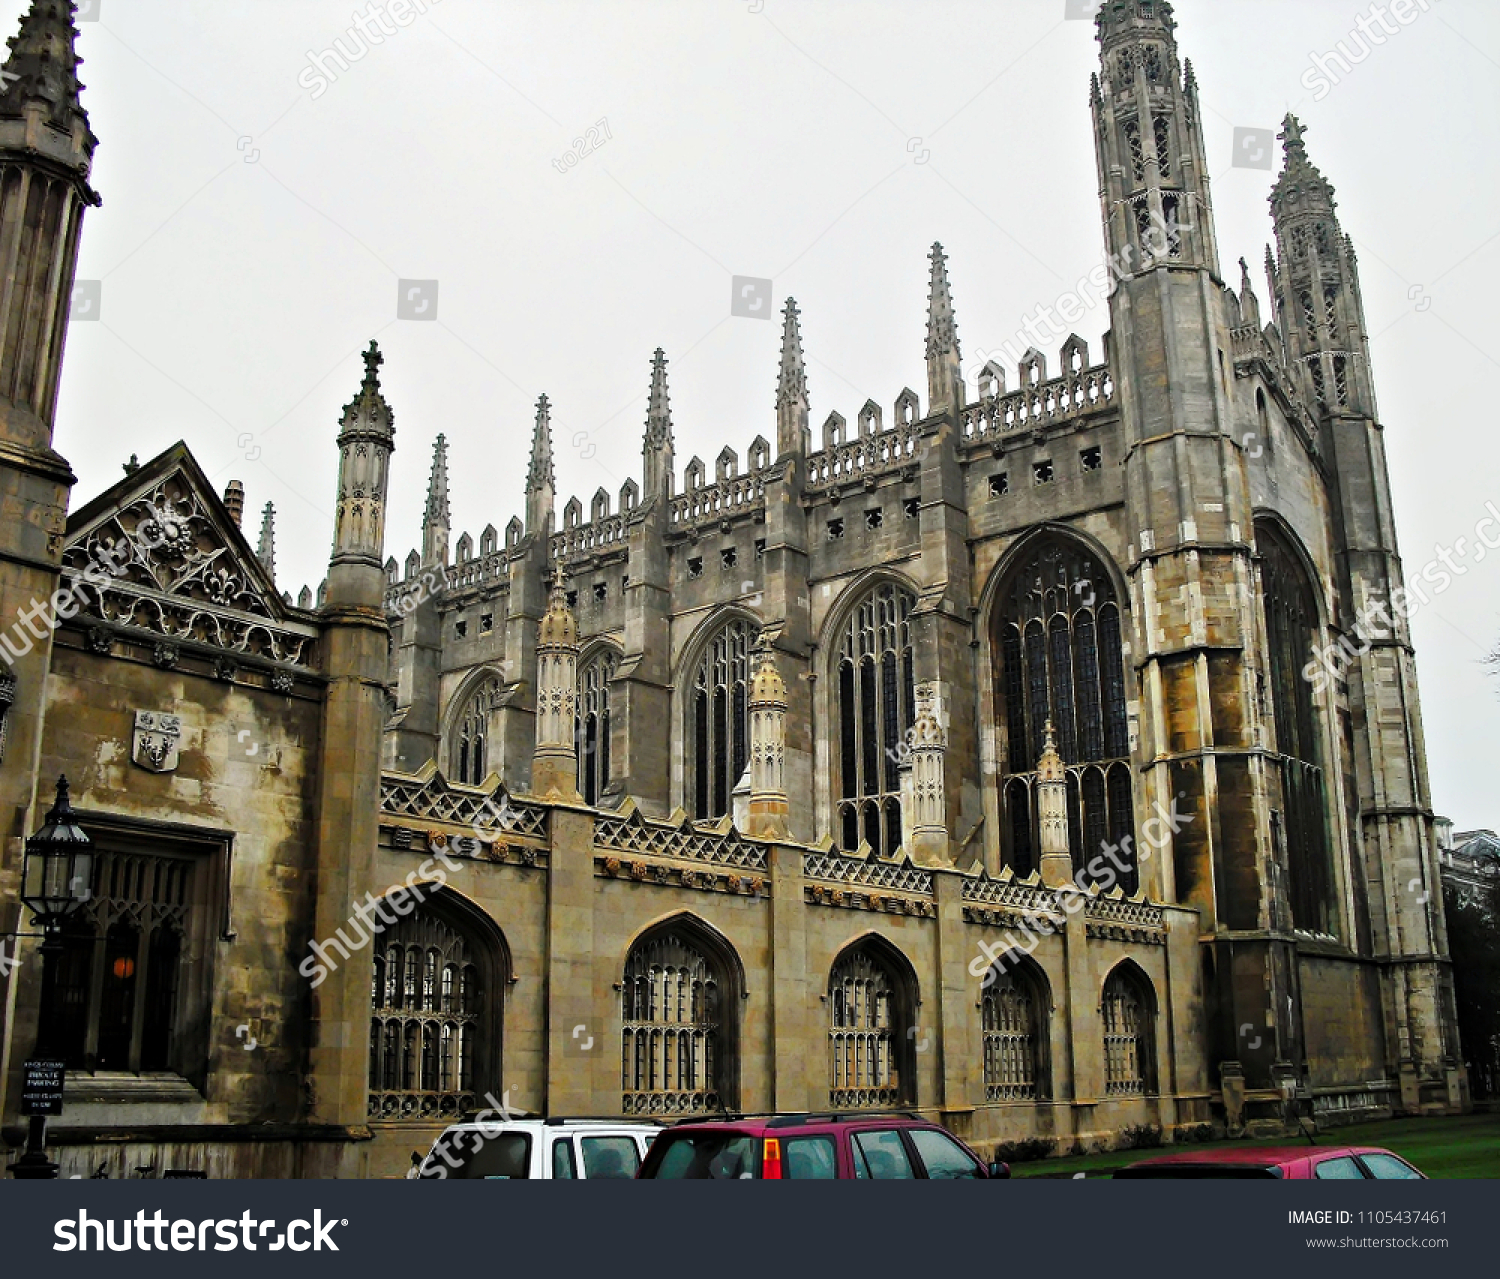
[429, 796]
[634, 834]
[1040, 404]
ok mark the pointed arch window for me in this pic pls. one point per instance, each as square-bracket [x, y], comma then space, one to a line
[1331, 309]
[426, 1061]
[1014, 1012]
[677, 1037]
[721, 746]
[591, 731]
[875, 691]
[1291, 627]
[1128, 1015]
[869, 1015]
[1060, 654]
[471, 756]
[1162, 135]
[1136, 148]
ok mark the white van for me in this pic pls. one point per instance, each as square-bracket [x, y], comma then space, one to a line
[537, 1150]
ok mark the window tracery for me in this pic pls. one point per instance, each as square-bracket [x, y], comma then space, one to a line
[1061, 658]
[875, 692]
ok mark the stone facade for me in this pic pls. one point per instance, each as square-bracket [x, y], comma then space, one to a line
[969, 759]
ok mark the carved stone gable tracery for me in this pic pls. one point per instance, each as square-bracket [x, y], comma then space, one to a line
[163, 559]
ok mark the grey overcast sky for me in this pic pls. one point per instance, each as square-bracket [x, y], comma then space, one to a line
[254, 235]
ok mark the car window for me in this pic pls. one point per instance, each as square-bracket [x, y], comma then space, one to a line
[704, 1155]
[563, 1164]
[1389, 1168]
[942, 1157]
[480, 1154]
[1344, 1168]
[883, 1156]
[609, 1158]
[809, 1159]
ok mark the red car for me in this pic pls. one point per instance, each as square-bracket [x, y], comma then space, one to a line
[1320, 1163]
[813, 1148]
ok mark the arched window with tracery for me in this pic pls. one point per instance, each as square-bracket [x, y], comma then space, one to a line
[875, 691]
[1128, 1014]
[869, 1047]
[470, 748]
[721, 744]
[435, 1000]
[678, 1011]
[1061, 657]
[591, 732]
[1291, 628]
[1014, 1011]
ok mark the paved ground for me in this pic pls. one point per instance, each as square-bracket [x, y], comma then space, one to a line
[1468, 1146]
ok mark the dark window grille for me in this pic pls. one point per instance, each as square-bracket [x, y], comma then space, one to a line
[1137, 150]
[591, 732]
[1014, 1022]
[867, 1034]
[876, 711]
[1291, 626]
[1129, 1039]
[719, 736]
[1061, 657]
[1162, 133]
[470, 755]
[120, 992]
[671, 1048]
[426, 1008]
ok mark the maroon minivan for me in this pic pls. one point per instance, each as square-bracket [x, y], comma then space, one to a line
[829, 1147]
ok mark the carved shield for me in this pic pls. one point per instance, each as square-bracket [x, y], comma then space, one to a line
[157, 738]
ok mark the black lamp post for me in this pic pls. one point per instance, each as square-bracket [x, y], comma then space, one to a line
[56, 876]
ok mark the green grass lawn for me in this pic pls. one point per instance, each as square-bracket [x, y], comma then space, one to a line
[1464, 1146]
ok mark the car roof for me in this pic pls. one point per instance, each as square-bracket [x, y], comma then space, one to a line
[534, 1124]
[1256, 1155]
[765, 1123]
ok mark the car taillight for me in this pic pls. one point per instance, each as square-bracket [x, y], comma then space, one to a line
[770, 1160]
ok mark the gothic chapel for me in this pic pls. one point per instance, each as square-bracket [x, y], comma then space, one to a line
[780, 785]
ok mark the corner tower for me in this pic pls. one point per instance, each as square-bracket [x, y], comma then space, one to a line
[46, 153]
[1321, 314]
[1149, 136]
[1195, 644]
[354, 645]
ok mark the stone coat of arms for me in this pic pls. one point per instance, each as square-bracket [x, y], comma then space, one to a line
[157, 738]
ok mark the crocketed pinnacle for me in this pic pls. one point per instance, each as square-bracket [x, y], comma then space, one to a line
[559, 627]
[791, 380]
[659, 408]
[1049, 768]
[767, 688]
[42, 69]
[1300, 188]
[265, 551]
[540, 474]
[942, 328]
[437, 486]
